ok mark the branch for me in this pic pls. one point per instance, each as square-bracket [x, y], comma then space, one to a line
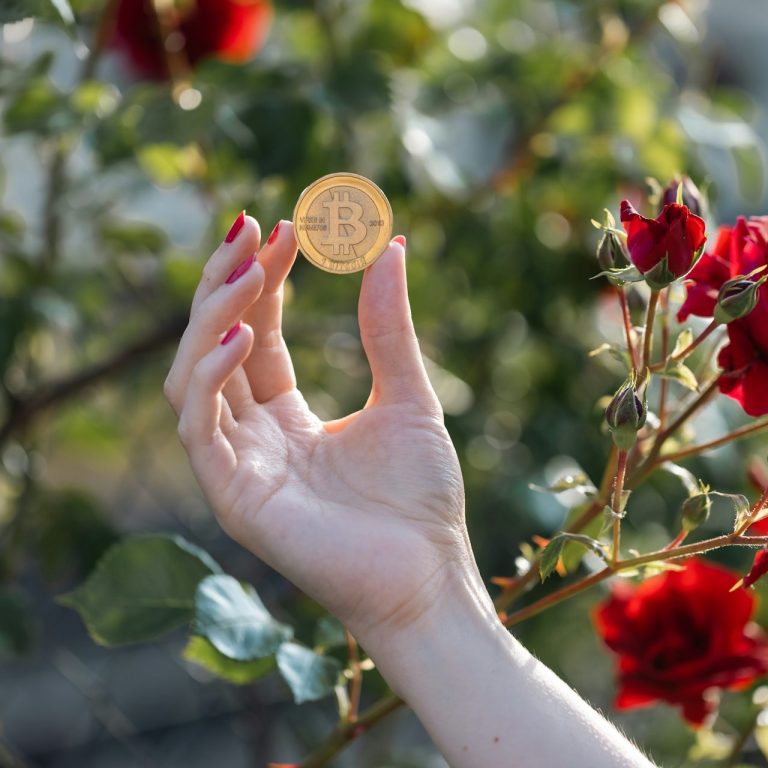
[24, 410]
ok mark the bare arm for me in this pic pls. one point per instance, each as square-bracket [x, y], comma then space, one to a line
[366, 514]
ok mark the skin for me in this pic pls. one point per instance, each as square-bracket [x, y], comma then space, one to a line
[366, 513]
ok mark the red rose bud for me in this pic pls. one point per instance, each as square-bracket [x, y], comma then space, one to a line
[695, 511]
[665, 248]
[737, 298]
[691, 195]
[759, 568]
[625, 415]
[611, 251]
[189, 31]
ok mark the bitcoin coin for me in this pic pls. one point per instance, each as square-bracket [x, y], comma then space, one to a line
[343, 222]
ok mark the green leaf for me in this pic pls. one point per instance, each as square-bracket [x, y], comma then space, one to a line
[201, 652]
[573, 553]
[681, 374]
[621, 276]
[329, 633]
[741, 506]
[549, 557]
[235, 620]
[577, 482]
[687, 478]
[309, 675]
[684, 341]
[142, 588]
[15, 624]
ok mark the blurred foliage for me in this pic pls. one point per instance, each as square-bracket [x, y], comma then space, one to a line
[497, 128]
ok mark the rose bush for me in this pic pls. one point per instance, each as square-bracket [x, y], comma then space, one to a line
[739, 250]
[229, 30]
[680, 634]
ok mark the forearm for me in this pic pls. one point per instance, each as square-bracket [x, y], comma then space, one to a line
[485, 700]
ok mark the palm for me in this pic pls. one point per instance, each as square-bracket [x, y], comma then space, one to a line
[363, 514]
[380, 498]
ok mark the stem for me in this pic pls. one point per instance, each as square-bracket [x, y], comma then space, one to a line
[650, 463]
[356, 683]
[343, 735]
[753, 513]
[664, 385]
[618, 489]
[620, 292]
[741, 740]
[730, 437]
[648, 335]
[728, 539]
[683, 353]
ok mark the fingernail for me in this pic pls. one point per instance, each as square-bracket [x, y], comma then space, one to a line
[273, 234]
[399, 239]
[235, 228]
[231, 333]
[240, 270]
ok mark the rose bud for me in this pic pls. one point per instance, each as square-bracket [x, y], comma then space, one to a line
[665, 248]
[611, 251]
[737, 298]
[625, 415]
[695, 511]
[692, 197]
[759, 568]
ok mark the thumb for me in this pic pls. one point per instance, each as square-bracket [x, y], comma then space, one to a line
[386, 330]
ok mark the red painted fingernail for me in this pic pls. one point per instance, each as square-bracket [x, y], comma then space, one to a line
[399, 239]
[240, 270]
[231, 333]
[273, 234]
[235, 228]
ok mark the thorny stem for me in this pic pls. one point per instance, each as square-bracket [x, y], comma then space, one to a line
[356, 683]
[648, 335]
[683, 353]
[664, 384]
[344, 734]
[618, 490]
[693, 450]
[621, 293]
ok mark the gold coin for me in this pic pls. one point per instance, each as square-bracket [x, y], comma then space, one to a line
[343, 222]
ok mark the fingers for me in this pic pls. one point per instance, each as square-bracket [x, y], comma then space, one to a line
[269, 367]
[386, 330]
[210, 320]
[200, 429]
[241, 242]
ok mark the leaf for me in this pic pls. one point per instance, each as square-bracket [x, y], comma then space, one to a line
[201, 652]
[309, 675]
[17, 10]
[687, 478]
[142, 588]
[578, 482]
[549, 556]
[574, 553]
[235, 620]
[618, 277]
[329, 633]
[682, 374]
[684, 341]
[741, 507]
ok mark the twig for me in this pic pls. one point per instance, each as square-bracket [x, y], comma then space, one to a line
[648, 335]
[618, 490]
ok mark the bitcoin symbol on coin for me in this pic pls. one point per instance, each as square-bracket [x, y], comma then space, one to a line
[341, 240]
[343, 222]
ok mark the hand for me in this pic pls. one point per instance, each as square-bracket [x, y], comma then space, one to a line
[365, 514]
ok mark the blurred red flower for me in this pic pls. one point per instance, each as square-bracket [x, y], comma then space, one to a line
[230, 30]
[666, 247]
[679, 634]
[738, 250]
[759, 568]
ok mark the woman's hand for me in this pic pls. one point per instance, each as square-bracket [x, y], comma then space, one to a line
[365, 514]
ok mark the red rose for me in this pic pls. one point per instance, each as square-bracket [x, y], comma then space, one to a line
[230, 30]
[664, 248]
[738, 251]
[679, 634]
